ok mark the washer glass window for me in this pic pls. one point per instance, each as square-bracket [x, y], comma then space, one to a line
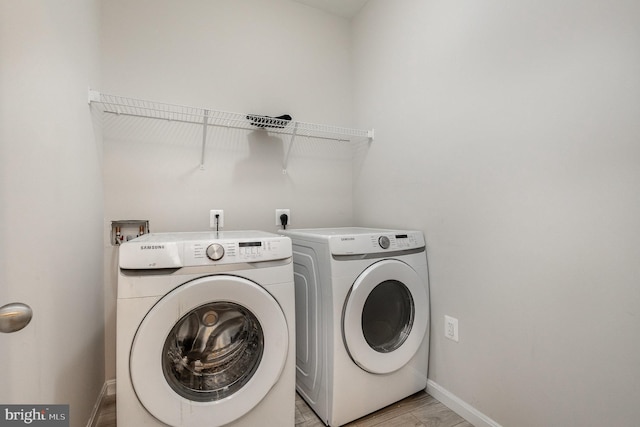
[212, 351]
[387, 316]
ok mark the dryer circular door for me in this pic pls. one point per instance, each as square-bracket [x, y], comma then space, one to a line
[385, 317]
[208, 352]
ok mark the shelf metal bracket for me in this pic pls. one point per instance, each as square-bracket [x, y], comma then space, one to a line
[205, 124]
[93, 96]
[293, 137]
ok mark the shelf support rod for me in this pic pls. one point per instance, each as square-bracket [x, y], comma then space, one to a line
[205, 121]
[293, 137]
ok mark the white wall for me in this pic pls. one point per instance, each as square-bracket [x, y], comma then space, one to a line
[509, 133]
[51, 210]
[247, 56]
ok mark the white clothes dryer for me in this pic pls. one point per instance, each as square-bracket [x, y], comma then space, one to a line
[362, 316]
[205, 330]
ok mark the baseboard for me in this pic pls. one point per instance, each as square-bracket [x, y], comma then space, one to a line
[111, 387]
[108, 389]
[459, 406]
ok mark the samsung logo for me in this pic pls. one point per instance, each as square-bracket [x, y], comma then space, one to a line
[151, 247]
[347, 238]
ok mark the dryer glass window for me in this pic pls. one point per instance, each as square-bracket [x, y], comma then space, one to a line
[387, 316]
[213, 351]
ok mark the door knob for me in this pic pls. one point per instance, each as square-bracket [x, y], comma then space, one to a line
[14, 317]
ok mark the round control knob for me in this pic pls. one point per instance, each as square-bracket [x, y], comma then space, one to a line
[215, 251]
[384, 242]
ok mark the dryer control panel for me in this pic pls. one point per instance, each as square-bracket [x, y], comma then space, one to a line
[361, 241]
[382, 241]
[175, 250]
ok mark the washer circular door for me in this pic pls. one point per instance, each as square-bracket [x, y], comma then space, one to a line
[208, 352]
[385, 317]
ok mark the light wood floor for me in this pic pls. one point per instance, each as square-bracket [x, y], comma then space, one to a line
[418, 410]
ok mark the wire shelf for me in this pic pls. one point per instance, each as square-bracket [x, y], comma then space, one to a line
[119, 105]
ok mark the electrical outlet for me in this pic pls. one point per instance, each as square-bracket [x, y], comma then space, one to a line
[280, 212]
[451, 328]
[212, 218]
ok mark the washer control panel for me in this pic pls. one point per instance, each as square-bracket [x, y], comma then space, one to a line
[201, 249]
[229, 252]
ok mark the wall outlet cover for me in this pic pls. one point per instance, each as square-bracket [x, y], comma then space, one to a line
[451, 328]
[212, 218]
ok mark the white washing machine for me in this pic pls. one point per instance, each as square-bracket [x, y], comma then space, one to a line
[205, 330]
[362, 319]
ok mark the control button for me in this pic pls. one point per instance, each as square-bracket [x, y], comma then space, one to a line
[384, 242]
[215, 251]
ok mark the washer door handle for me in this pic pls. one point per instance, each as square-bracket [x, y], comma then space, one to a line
[14, 317]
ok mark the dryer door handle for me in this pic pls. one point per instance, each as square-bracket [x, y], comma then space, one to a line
[14, 317]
